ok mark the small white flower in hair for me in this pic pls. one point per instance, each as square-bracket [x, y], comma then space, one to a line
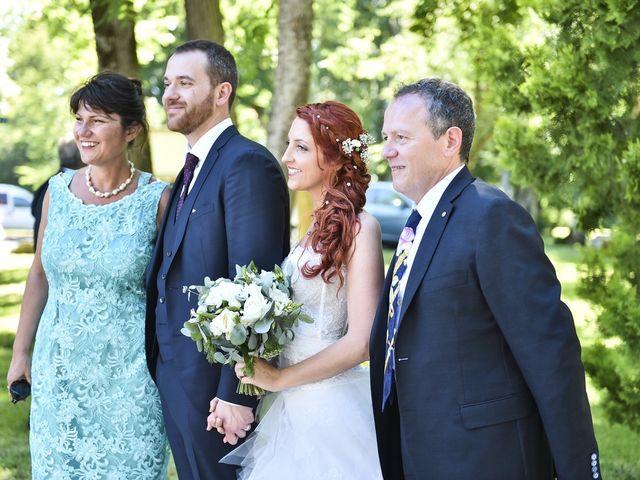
[360, 145]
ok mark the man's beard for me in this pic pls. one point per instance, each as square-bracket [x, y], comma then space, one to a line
[192, 116]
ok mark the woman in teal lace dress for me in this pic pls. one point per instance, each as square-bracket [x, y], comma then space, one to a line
[95, 412]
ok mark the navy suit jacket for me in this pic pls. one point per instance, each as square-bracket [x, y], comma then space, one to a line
[237, 211]
[489, 381]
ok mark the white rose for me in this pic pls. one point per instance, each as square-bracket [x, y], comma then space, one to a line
[280, 298]
[223, 323]
[266, 277]
[251, 289]
[230, 292]
[225, 290]
[254, 308]
[214, 297]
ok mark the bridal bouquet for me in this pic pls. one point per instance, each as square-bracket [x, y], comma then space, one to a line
[244, 318]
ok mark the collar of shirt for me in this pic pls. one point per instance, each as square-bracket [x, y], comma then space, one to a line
[201, 148]
[425, 207]
[429, 202]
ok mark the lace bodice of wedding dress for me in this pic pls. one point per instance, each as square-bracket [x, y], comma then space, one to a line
[325, 303]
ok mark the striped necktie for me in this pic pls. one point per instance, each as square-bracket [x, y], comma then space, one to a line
[399, 267]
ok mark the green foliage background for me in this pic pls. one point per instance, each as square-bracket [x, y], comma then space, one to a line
[554, 82]
[557, 93]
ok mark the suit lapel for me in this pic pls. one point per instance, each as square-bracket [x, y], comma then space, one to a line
[432, 235]
[207, 166]
[157, 251]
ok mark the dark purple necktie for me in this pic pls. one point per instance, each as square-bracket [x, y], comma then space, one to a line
[189, 167]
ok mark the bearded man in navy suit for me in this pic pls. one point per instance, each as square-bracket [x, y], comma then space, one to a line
[229, 206]
[476, 369]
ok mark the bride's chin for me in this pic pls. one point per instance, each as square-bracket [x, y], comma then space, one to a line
[294, 186]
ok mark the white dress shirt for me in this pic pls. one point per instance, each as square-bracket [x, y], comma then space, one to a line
[426, 206]
[204, 144]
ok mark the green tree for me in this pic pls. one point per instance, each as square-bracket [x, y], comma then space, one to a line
[42, 72]
[291, 88]
[114, 25]
[480, 45]
[555, 84]
[582, 150]
[293, 71]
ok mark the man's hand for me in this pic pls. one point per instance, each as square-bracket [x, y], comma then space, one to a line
[232, 421]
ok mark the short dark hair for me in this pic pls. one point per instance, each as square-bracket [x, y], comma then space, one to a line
[447, 106]
[114, 93]
[222, 65]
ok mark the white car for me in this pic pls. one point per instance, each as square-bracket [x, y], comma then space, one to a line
[15, 207]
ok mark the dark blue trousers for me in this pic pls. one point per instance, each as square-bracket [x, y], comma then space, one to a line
[196, 451]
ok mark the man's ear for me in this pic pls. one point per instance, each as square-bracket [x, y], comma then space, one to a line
[222, 93]
[453, 137]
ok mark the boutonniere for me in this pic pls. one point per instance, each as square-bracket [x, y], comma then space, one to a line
[406, 239]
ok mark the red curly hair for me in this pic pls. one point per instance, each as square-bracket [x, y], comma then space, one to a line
[346, 180]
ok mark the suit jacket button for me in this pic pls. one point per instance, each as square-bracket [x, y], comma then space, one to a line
[163, 276]
[161, 299]
[169, 253]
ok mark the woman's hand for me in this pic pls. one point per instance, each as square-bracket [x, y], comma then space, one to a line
[264, 375]
[19, 368]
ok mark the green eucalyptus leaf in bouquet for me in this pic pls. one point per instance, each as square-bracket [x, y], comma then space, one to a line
[249, 317]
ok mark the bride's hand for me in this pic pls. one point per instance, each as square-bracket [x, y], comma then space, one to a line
[264, 375]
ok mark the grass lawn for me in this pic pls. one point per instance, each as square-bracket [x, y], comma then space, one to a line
[619, 446]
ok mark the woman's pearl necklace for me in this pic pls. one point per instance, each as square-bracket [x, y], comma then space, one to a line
[115, 191]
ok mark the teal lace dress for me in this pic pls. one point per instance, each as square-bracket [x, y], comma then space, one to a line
[95, 412]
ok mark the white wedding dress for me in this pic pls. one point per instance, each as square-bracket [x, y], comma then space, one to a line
[322, 430]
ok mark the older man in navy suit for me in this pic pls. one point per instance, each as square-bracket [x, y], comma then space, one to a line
[475, 363]
[229, 206]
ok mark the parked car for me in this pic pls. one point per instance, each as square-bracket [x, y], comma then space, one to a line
[390, 208]
[15, 207]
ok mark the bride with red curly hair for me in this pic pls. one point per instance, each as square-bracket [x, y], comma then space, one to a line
[319, 423]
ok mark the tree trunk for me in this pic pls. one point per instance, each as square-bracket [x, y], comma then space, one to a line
[291, 86]
[204, 20]
[293, 72]
[114, 27]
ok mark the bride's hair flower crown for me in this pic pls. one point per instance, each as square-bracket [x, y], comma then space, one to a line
[360, 145]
